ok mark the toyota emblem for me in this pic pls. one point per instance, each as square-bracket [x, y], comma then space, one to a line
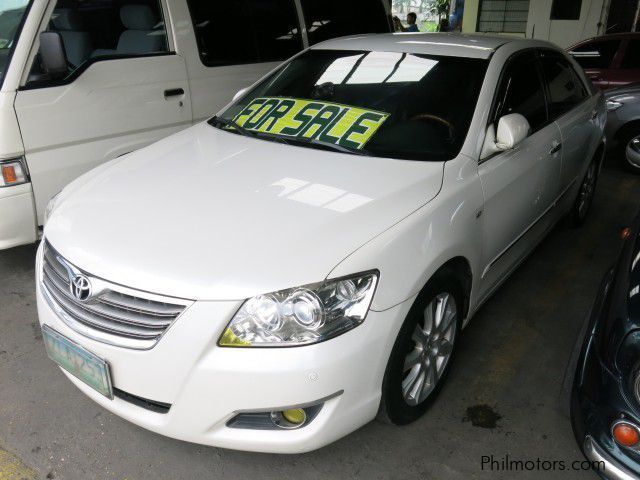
[81, 288]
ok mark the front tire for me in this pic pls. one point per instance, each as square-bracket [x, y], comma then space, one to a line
[423, 352]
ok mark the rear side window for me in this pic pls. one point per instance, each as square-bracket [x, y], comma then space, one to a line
[632, 55]
[596, 55]
[521, 91]
[566, 90]
[327, 19]
[245, 31]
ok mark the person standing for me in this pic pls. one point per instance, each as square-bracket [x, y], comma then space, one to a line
[412, 18]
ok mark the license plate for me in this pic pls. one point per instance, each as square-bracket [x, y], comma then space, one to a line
[79, 362]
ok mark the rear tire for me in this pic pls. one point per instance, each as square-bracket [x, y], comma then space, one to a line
[584, 200]
[423, 352]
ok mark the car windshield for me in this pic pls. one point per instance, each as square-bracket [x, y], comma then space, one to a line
[384, 104]
[11, 16]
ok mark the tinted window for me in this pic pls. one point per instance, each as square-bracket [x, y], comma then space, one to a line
[93, 29]
[632, 55]
[566, 9]
[565, 87]
[521, 92]
[245, 31]
[327, 19]
[427, 101]
[598, 54]
[12, 15]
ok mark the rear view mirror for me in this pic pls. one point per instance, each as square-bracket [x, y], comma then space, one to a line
[512, 129]
[53, 55]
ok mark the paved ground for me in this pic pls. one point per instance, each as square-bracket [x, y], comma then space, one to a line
[512, 359]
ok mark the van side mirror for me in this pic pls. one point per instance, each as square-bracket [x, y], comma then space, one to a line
[53, 55]
[512, 129]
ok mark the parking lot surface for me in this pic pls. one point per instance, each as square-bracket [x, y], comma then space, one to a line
[504, 396]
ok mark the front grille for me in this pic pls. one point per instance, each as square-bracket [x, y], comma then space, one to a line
[111, 313]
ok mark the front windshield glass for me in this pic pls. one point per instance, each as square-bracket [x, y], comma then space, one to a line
[11, 15]
[385, 104]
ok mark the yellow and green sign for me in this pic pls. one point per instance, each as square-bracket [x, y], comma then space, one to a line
[349, 127]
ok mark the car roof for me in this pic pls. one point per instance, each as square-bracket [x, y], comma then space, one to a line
[608, 36]
[447, 44]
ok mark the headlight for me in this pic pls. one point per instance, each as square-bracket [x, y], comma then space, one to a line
[303, 315]
[13, 172]
[51, 206]
[612, 105]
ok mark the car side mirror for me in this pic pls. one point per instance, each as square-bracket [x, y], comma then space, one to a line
[53, 55]
[240, 94]
[512, 129]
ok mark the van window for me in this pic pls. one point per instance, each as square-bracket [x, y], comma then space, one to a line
[565, 87]
[12, 15]
[327, 19]
[597, 54]
[245, 31]
[94, 29]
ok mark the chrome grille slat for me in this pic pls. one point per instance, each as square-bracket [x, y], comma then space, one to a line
[55, 265]
[90, 309]
[141, 305]
[122, 318]
[77, 313]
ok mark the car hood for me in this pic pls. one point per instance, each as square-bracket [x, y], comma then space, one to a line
[210, 215]
[630, 89]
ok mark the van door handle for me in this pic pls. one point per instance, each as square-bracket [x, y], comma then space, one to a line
[594, 115]
[174, 92]
[555, 149]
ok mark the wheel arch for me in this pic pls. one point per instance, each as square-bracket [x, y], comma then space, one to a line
[625, 128]
[460, 269]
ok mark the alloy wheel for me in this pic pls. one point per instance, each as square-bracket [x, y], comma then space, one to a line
[632, 153]
[433, 345]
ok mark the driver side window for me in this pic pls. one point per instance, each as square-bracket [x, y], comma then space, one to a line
[521, 91]
[94, 29]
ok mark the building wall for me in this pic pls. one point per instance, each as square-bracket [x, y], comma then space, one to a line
[562, 32]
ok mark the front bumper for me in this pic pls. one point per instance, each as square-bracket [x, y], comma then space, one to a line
[206, 385]
[17, 216]
[611, 469]
[597, 400]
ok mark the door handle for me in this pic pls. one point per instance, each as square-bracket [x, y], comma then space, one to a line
[174, 92]
[555, 149]
[594, 115]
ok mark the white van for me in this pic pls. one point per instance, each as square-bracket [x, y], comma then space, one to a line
[86, 81]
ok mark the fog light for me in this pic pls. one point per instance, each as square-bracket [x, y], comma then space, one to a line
[296, 416]
[289, 419]
[626, 434]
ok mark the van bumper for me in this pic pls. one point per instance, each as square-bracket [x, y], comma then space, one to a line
[18, 224]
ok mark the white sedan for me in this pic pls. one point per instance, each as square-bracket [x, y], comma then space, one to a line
[277, 277]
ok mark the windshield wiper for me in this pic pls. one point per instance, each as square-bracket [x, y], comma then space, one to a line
[234, 126]
[243, 131]
[327, 145]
